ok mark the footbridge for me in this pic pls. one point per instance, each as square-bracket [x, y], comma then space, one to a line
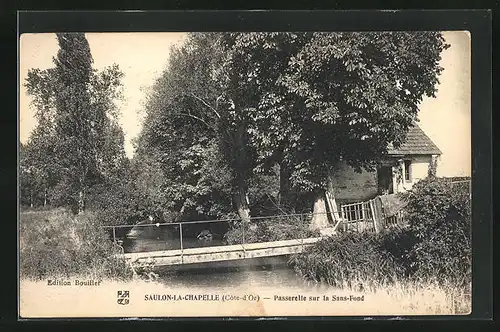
[218, 253]
[178, 250]
[362, 216]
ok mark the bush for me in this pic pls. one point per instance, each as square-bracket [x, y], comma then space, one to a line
[57, 244]
[439, 219]
[270, 229]
[350, 258]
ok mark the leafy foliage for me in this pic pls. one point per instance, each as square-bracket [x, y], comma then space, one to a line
[346, 96]
[304, 101]
[190, 135]
[77, 140]
[439, 217]
[240, 123]
[226, 111]
[270, 229]
[39, 168]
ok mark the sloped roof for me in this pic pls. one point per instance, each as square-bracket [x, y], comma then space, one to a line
[417, 143]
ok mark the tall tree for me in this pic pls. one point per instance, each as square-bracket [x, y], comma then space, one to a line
[76, 101]
[199, 120]
[184, 130]
[341, 97]
[74, 123]
[39, 158]
[253, 65]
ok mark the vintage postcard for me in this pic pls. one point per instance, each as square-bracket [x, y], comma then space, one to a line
[244, 174]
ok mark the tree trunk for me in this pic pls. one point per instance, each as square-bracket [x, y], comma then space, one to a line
[334, 209]
[45, 197]
[241, 204]
[241, 173]
[31, 198]
[322, 215]
[285, 199]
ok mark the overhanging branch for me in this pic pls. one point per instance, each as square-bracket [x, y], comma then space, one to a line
[201, 120]
[206, 104]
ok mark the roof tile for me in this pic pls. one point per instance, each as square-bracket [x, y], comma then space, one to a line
[417, 143]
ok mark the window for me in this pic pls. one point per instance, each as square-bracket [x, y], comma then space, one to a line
[407, 170]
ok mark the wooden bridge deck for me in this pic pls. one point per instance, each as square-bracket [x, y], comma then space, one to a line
[219, 253]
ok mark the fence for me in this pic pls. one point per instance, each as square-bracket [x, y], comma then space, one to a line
[371, 215]
[368, 216]
[193, 234]
[357, 217]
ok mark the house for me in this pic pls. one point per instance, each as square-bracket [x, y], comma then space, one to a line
[397, 172]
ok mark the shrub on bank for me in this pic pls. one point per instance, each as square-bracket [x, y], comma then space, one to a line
[270, 229]
[439, 219]
[57, 244]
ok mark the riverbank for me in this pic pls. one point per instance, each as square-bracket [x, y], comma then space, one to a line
[56, 244]
[39, 300]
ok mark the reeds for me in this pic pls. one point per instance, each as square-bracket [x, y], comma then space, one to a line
[379, 265]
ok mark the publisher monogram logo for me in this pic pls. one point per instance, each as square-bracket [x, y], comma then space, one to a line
[123, 297]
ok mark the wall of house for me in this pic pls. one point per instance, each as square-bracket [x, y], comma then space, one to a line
[354, 187]
[419, 170]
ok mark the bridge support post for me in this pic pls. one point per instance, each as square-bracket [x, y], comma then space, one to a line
[182, 247]
[374, 217]
[243, 232]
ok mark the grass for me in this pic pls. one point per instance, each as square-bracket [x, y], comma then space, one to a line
[421, 268]
[56, 244]
[348, 257]
[410, 297]
[428, 256]
[377, 265]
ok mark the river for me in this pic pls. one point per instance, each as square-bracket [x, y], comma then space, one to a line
[254, 276]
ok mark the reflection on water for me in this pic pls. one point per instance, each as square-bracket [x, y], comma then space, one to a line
[252, 277]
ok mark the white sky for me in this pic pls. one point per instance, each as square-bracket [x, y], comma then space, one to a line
[143, 56]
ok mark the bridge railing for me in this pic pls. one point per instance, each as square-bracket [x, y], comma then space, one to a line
[192, 234]
[168, 235]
